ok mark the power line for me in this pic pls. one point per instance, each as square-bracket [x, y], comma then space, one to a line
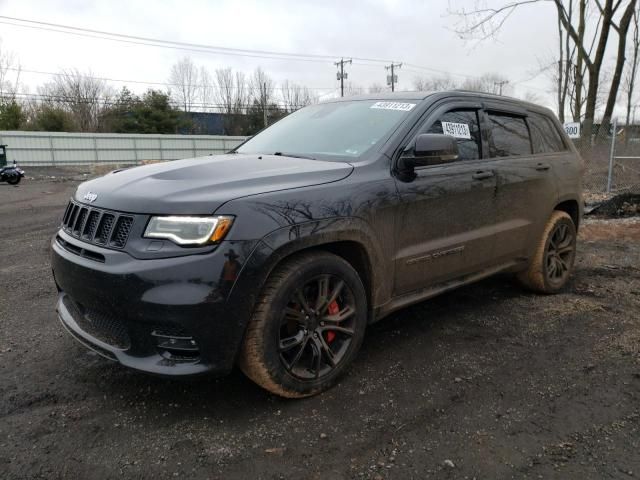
[69, 29]
[208, 49]
[142, 82]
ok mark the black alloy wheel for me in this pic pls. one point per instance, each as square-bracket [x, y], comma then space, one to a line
[560, 254]
[551, 263]
[317, 327]
[307, 325]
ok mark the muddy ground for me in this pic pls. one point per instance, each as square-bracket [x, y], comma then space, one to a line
[487, 382]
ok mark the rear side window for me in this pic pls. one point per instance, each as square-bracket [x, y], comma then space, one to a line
[544, 135]
[509, 135]
[464, 125]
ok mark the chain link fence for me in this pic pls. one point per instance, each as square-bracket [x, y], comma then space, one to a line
[612, 161]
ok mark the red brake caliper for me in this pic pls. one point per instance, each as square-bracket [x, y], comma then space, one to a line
[333, 309]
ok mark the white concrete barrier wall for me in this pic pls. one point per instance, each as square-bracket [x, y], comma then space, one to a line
[64, 149]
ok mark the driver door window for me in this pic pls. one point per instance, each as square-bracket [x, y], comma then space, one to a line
[465, 127]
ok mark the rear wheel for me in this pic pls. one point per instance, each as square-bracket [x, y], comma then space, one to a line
[552, 262]
[307, 326]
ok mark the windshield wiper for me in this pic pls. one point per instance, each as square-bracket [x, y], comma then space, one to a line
[293, 155]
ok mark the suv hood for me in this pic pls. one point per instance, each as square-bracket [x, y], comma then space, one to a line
[201, 185]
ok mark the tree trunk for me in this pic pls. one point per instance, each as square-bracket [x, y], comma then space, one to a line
[623, 29]
[632, 75]
[560, 74]
[579, 64]
[596, 66]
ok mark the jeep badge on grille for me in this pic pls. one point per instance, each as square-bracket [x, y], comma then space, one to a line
[90, 197]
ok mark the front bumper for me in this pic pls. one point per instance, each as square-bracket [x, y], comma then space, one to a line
[169, 316]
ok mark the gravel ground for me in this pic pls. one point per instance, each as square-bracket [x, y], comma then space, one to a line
[488, 381]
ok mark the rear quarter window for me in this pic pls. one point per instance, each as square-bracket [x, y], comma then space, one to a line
[544, 134]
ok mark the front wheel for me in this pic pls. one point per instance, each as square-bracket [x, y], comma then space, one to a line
[307, 326]
[14, 180]
[552, 262]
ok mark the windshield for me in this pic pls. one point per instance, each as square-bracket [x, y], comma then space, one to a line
[346, 129]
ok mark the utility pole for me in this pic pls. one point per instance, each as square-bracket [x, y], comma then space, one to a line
[500, 85]
[393, 78]
[341, 75]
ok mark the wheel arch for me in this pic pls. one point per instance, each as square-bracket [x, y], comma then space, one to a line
[349, 238]
[571, 207]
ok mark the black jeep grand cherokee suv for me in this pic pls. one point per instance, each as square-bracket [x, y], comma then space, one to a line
[277, 255]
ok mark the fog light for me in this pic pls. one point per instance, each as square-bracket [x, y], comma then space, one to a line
[176, 347]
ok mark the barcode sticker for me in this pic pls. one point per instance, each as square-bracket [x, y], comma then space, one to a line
[458, 130]
[403, 107]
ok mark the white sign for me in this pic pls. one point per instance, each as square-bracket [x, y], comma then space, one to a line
[572, 129]
[403, 107]
[458, 130]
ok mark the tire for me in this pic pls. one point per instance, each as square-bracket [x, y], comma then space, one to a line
[284, 347]
[14, 180]
[552, 263]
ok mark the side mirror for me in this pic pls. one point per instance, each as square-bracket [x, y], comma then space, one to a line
[430, 149]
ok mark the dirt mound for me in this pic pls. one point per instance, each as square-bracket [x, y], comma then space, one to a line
[623, 205]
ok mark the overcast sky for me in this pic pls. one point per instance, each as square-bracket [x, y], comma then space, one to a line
[416, 32]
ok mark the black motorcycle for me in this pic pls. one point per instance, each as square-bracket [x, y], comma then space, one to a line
[9, 173]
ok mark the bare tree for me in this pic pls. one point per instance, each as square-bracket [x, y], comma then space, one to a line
[232, 95]
[565, 61]
[531, 97]
[84, 96]
[261, 87]
[10, 70]
[184, 79]
[207, 90]
[484, 22]
[622, 27]
[434, 84]
[225, 89]
[295, 96]
[376, 88]
[351, 89]
[241, 96]
[632, 71]
[488, 83]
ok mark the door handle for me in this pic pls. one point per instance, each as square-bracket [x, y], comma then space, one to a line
[482, 175]
[543, 166]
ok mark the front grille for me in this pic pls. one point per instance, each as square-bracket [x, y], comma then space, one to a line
[97, 226]
[101, 325]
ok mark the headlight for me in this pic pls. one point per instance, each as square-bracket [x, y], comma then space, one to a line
[189, 230]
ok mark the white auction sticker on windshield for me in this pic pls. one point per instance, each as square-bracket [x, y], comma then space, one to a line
[401, 106]
[458, 130]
